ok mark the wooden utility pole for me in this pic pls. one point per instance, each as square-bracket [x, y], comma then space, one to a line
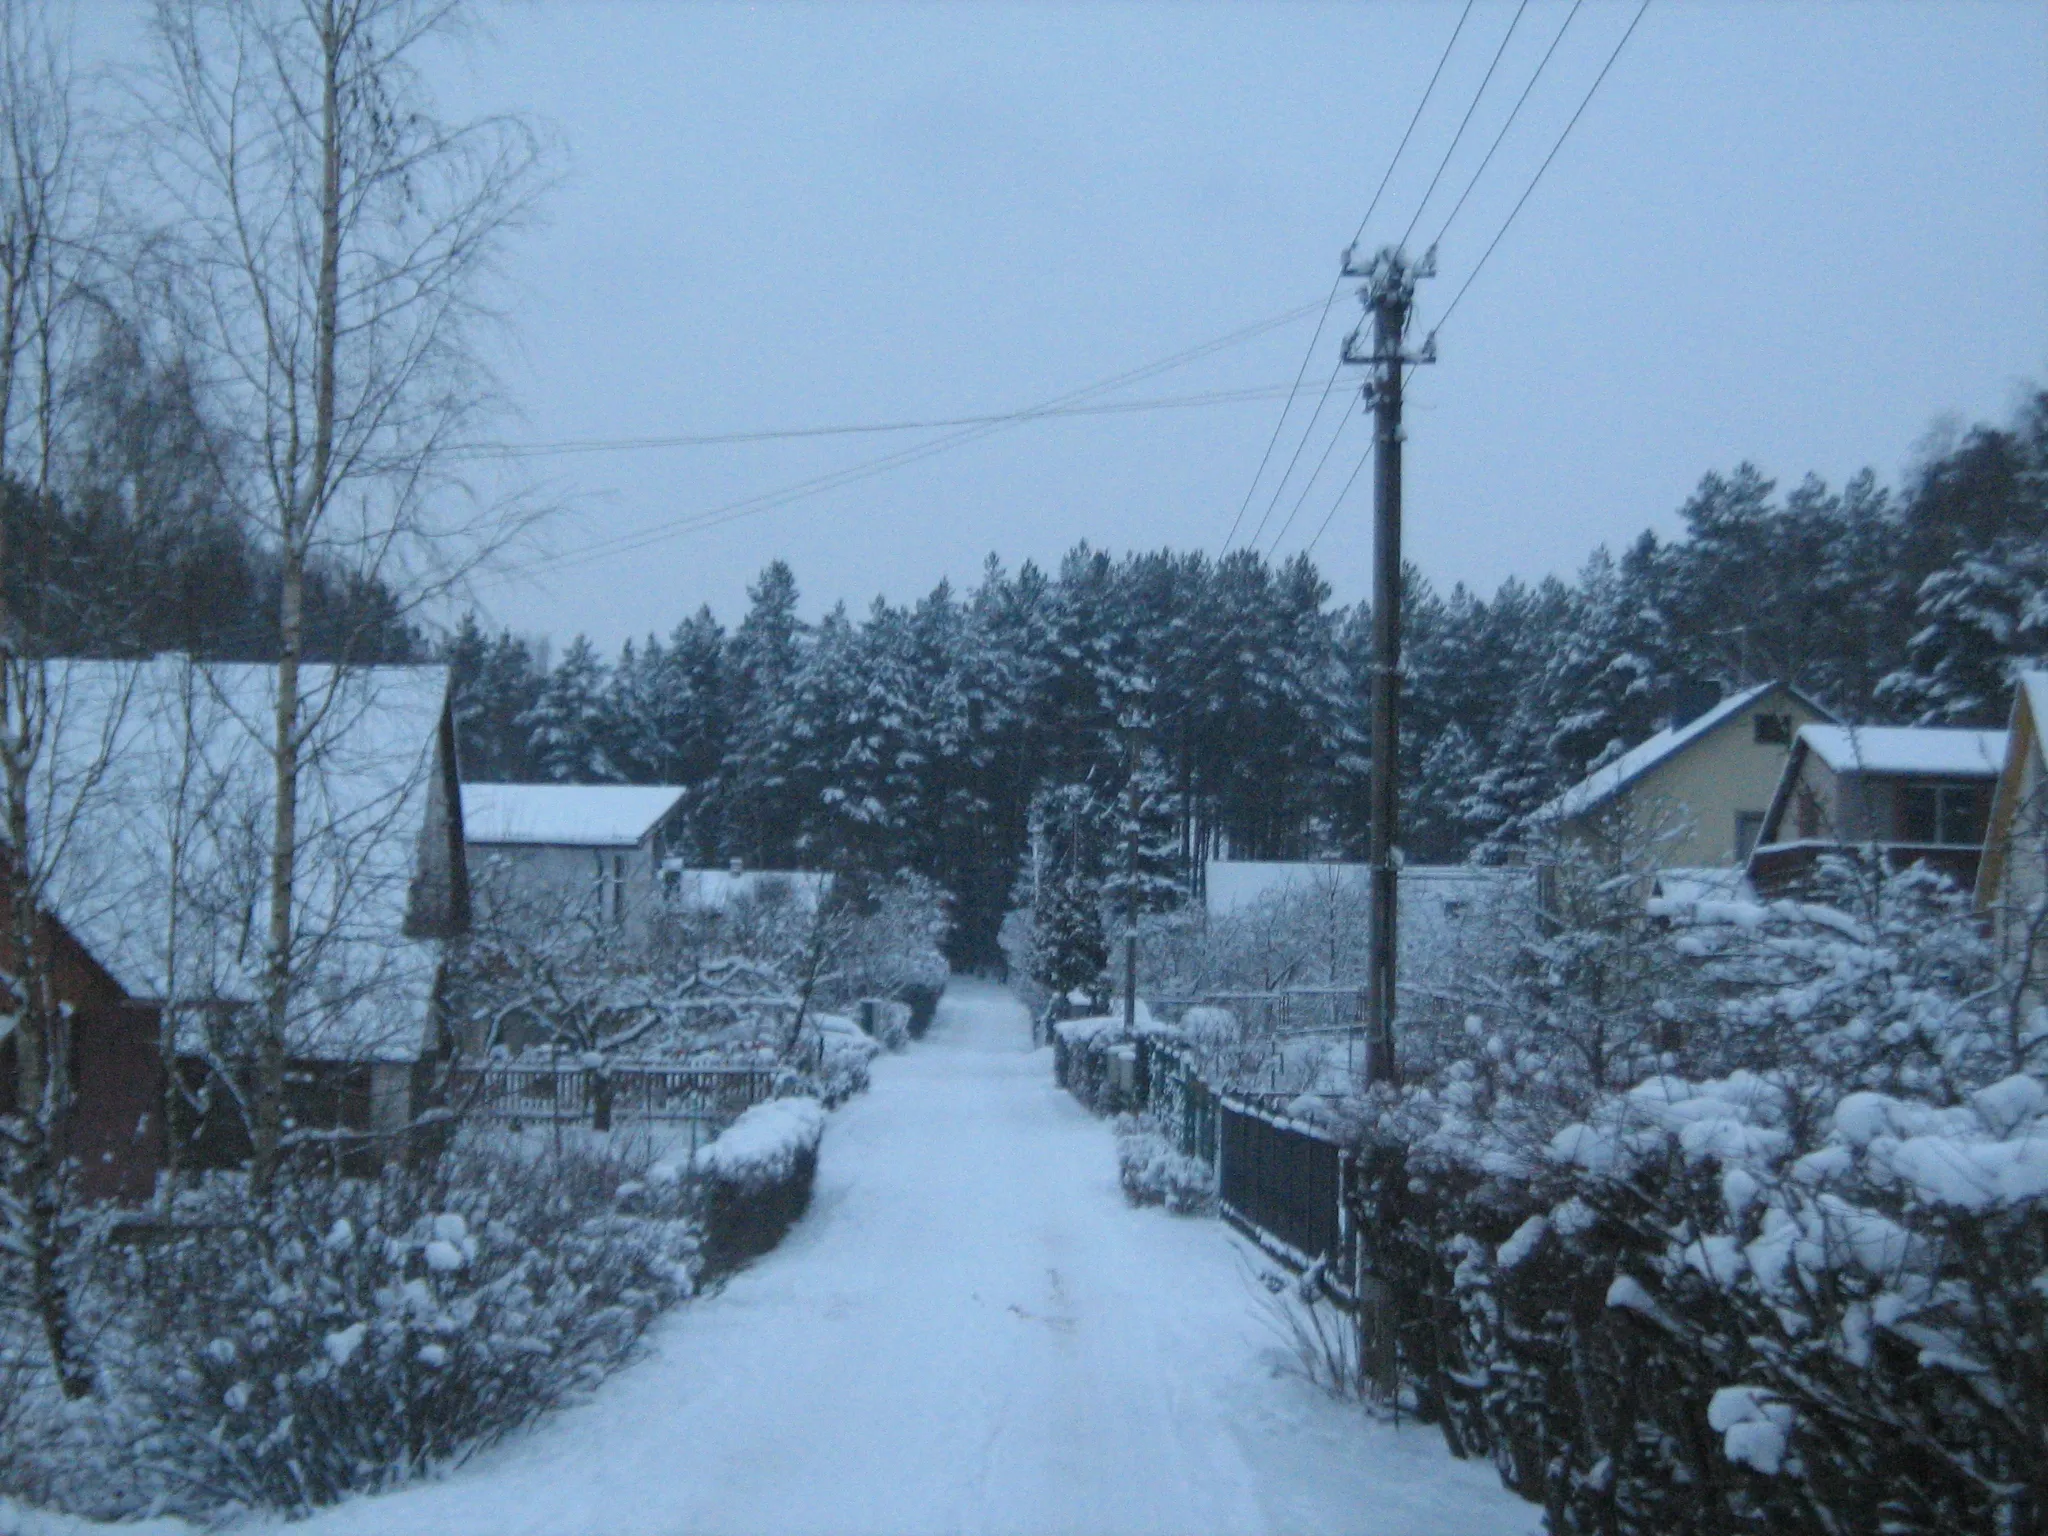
[1388, 294]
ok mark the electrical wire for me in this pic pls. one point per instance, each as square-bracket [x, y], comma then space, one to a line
[631, 444]
[765, 501]
[1301, 373]
[1513, 113]
[1310, 547]
[1343, 421]
[1473, 276]
[1465, 121]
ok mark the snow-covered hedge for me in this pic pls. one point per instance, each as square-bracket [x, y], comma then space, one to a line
[352, 1334]
[844, 1052]
[1800, 1291]
[758, 1177]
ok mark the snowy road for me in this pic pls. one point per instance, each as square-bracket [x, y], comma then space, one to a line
[970, 1332]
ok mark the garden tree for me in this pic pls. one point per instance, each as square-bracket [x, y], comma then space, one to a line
[1068, 949]
[336, 237]
[570, 725]
[44, 223]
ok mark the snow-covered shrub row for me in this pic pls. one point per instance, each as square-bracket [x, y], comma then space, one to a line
[1155, 1172]
[1788, 1280]
[757, 1178]
[843, 1054]
[350, 1334]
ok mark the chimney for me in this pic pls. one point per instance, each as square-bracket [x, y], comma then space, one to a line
[1690, 700]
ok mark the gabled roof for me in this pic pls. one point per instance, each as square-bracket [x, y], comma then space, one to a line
[565, 815]
[1603, 784]
[152, 807]
[1930, 751]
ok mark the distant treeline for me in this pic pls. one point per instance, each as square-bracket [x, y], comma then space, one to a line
[1221, 703]
[140, 547]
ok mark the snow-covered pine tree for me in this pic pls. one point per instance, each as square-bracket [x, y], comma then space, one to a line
[570, 723]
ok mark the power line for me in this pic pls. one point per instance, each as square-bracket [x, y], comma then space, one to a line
[1465, 122]
[1316, 474]
[780, 434]
[1509, 221]
[1356, 470]
[781, 496]
[1513, 113]
[1301, 373]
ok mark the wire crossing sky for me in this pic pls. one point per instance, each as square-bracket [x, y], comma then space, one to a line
[1801, 235]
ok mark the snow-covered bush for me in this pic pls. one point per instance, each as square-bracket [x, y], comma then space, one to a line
[844, 1051]
[351, 1334]
[757, 1178]
[1155, 1172]
[1787, 1280]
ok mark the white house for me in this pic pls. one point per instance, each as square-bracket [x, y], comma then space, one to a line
[589, 851]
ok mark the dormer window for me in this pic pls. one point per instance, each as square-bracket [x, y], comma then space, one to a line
[1772, 730]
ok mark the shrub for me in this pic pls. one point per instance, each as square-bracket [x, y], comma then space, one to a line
[757, 1178]
[1154, 1172]
[354, 1333]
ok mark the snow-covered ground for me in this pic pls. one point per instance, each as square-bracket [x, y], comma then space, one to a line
[970, 1332]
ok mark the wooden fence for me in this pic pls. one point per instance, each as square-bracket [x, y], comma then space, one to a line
[630, 1091]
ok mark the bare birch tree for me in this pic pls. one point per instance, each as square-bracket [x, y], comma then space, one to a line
[340, 238]
[40, 215]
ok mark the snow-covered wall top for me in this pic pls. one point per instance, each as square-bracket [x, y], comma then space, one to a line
[1935, 751]
[565, 815]
[152, 808]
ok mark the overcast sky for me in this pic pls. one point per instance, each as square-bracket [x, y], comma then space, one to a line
[1797, 234]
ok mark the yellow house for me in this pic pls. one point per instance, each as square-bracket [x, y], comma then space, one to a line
[1694, 795]
[2013, 878]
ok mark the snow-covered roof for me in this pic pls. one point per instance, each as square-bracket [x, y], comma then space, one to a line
[715, 890]
[565, 815]
[1601, 784]
[1933, 751]
[153, 802]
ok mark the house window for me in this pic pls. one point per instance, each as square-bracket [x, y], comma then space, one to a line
[1772, 730]
[1945, 815]
[1748, 826]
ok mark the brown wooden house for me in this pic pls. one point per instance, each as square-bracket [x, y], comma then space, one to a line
[155, 804]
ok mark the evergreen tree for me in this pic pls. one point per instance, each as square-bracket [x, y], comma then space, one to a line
[570, 724]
